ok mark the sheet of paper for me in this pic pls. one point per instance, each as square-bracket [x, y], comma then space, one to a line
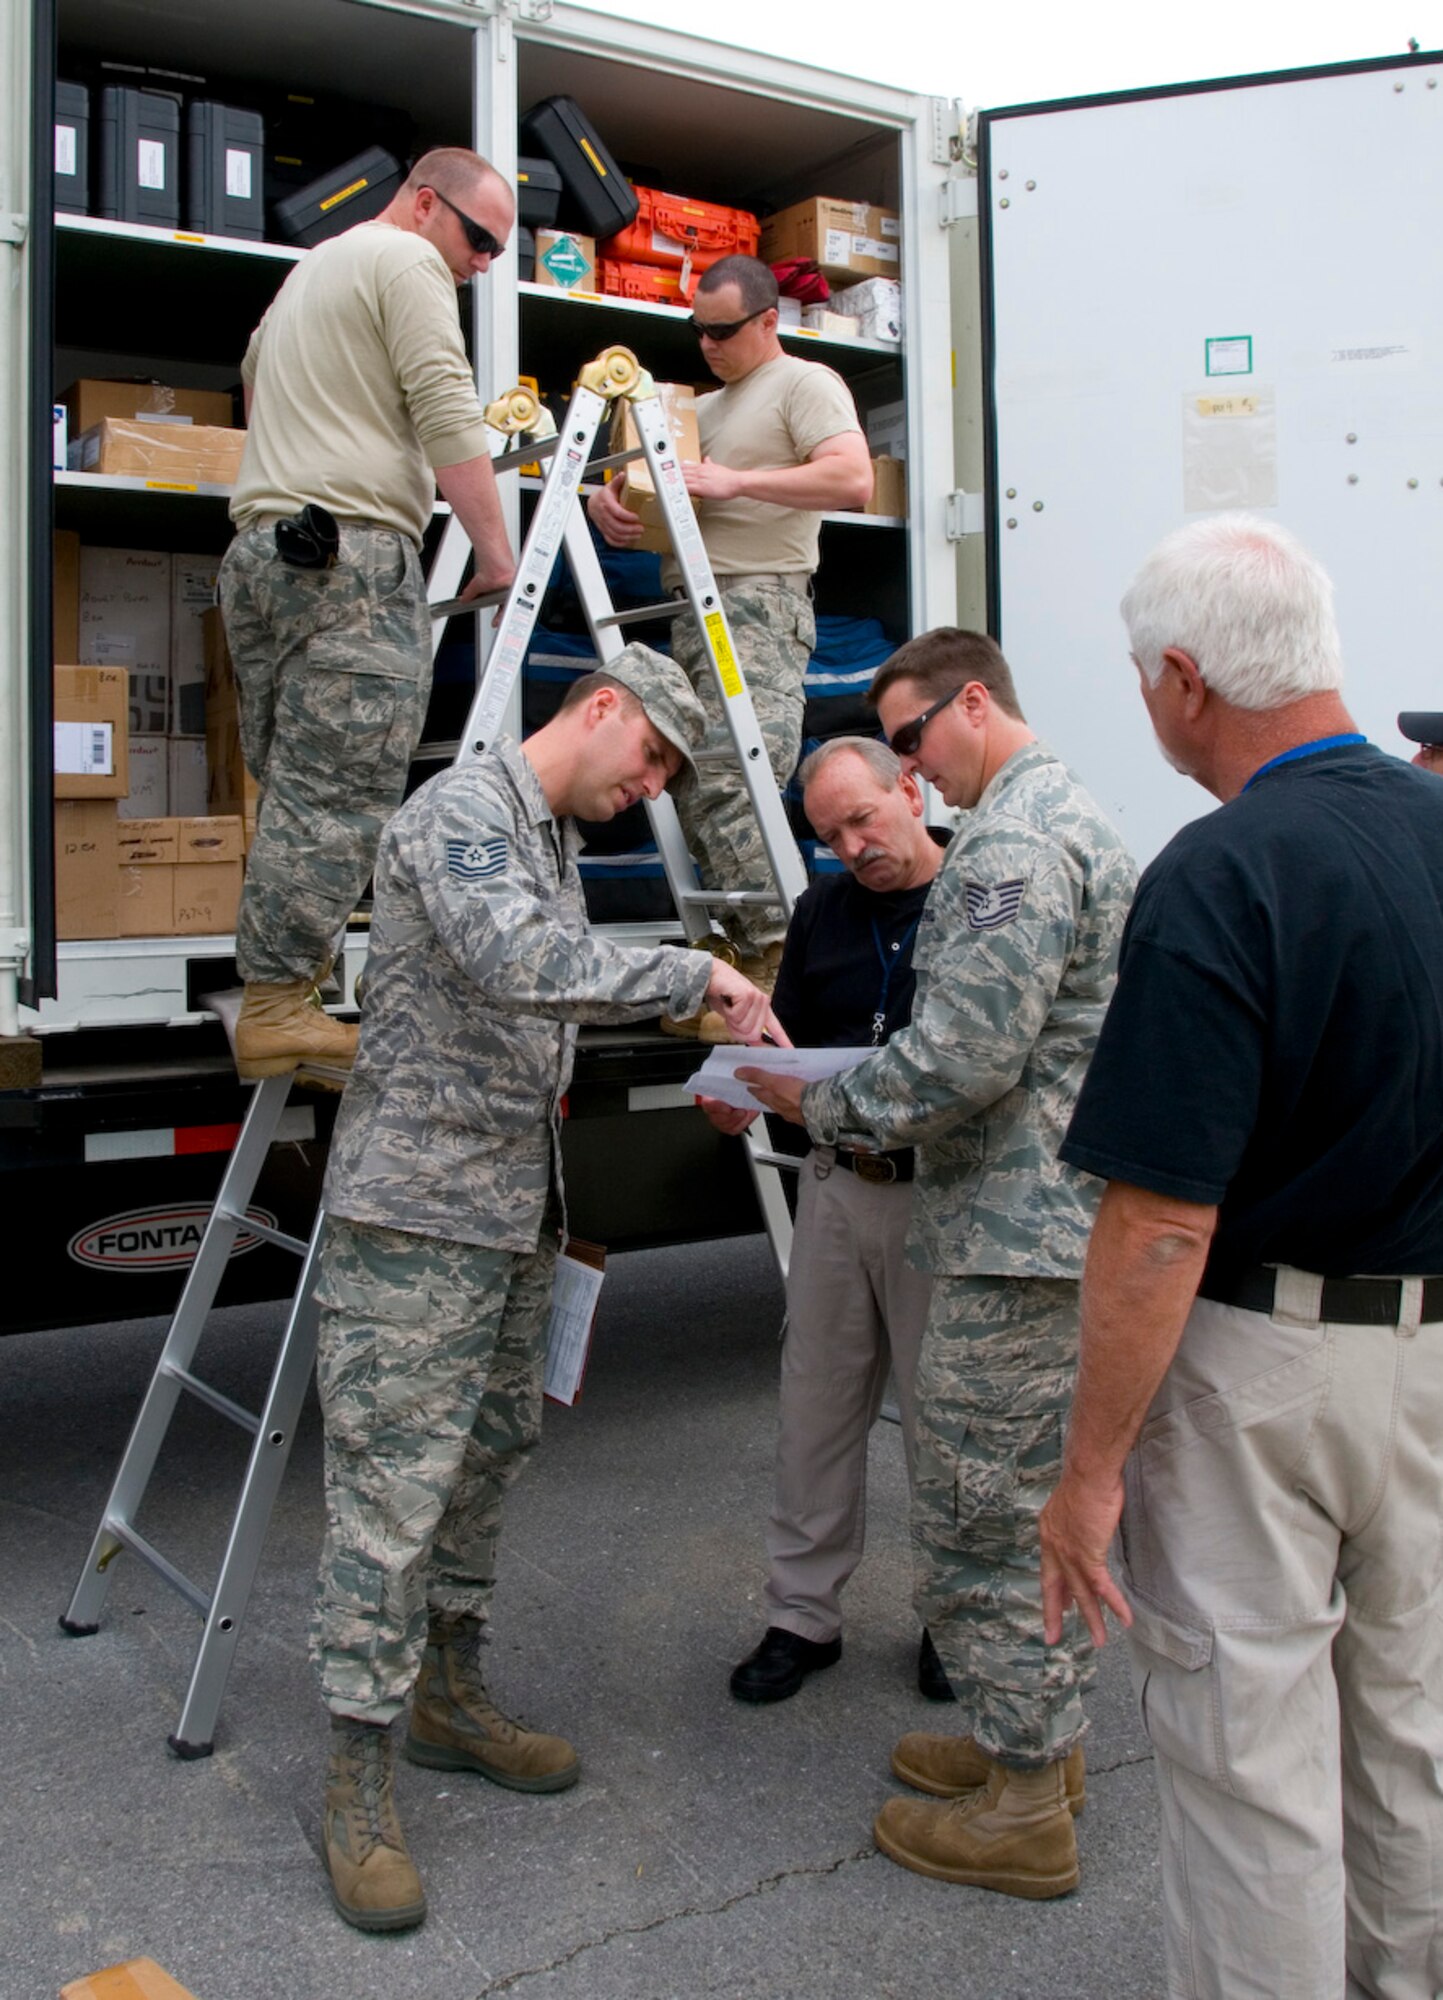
[717, 1075]
[574, 1293]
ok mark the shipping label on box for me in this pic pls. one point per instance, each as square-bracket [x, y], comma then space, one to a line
[565, 260]
[848, 239]
[86, 868]
[149, 793]
[192, 595]
[91, 736]
[186, 774]
[678, 403]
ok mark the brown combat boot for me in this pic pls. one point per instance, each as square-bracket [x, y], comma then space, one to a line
[455, 1725]
[688, 1028]
[1015, 1835]
[949, 1767]
[374, 1884]
[281, 1028]
[761, 971]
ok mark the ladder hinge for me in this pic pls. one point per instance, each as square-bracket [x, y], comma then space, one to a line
[959, 200]
[965, 516]
[14, 228]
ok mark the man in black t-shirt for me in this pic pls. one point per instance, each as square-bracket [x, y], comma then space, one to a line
[1260, 1400]
[855, 1305]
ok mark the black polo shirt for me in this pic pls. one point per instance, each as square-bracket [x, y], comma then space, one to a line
[1275, 1043]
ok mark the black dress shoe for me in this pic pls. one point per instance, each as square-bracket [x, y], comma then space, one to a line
[780, 1664]
[932, 1678]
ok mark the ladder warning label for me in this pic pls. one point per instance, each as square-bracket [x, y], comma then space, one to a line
[726, 659]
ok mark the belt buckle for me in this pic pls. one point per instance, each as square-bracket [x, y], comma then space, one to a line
[874, 1167]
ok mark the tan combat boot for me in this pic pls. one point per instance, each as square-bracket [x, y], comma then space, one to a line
[949, 1767]
[455, 1725]
[761, 971]
[1014, 1835]
[689, 1027]
[374, 1884]
[281, 1027]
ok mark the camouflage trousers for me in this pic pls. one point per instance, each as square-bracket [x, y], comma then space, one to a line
[774, 633]
[429, 1367]
[333, 670]
[994, 1384]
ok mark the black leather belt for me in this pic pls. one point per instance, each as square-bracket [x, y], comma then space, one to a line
[1346, 1301]
[880, 1169]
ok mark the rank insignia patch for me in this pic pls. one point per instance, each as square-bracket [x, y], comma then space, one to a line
[476, 860]
[990, 909]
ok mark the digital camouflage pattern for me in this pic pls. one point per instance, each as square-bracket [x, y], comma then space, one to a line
[1016, 956]
[994, 1384]
[480, 968]
[773, 632]
[333, 670]
[429, 1366]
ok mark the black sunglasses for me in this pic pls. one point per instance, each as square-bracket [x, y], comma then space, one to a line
[723, 329]
[908, 739]
[481, 240]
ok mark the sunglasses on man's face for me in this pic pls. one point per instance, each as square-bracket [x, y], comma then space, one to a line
[908, 739]
[482, 242]
[723, 329]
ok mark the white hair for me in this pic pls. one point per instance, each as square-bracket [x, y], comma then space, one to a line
[1246, 602]
[884, 764]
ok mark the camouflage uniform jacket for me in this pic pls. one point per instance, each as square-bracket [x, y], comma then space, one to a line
[1015, 958]
[480, 966]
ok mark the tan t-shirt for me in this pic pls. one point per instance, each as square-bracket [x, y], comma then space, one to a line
[361, 385]
[776, 416]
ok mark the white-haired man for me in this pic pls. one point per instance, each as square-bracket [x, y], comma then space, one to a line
[1267, 1423]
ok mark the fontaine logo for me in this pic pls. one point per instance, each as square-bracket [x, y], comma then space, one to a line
[155, 1239]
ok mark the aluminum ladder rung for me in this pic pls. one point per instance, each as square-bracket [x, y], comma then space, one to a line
[670, 607]
[787, 1163]
[223, 1405]
[766, 899]
[121, 1531]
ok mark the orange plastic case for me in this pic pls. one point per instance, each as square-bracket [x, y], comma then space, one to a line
[645, 281]
[672, 230]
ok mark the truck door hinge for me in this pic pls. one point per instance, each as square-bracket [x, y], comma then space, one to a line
[959, 200]
[14, 228]
[965, 516]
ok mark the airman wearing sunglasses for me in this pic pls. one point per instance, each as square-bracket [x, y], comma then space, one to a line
[781, 446]
[1015, 959]
[360, 403]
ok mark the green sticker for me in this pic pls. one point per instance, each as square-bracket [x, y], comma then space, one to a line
[566, 262]
[1230, 354]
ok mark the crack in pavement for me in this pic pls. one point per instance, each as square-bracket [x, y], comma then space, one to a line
[762, 1888]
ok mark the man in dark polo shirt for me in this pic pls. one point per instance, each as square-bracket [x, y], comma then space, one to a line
[1260, 1398]
[855, 1305]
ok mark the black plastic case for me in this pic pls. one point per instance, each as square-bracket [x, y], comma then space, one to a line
[72, 148]
[538, 193]
[139, 157]
[596, 196]
[351, 193]
[224, 170]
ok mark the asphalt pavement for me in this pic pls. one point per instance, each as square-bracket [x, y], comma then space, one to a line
[710, 1849]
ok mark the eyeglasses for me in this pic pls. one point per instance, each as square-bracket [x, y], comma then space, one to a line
[907, 741]
[481, 240]
[723, 329]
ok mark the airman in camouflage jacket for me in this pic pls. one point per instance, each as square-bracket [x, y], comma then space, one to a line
[480, 967]
[1015, 960]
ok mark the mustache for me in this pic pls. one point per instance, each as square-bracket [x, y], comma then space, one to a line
[867, 856]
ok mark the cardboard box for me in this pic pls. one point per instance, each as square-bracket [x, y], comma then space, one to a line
[192, 594]
[125, 622]
[219, 672]
[678, 402]
[160, 451]
[876, 306]
[65, 596]
[137, 1979]
[848, 239]
[886, 428]
[91, 736]
[208, 876]
[188, 784]
[87, 402]
[565, 260]
[86, 868]
[150, 843]
[230, 787]
[149, 794]
[889, 488]
[830, 325]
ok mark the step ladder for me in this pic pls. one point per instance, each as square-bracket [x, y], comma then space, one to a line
[557, 524]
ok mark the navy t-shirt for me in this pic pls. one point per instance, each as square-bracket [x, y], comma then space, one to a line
[1275, 1042]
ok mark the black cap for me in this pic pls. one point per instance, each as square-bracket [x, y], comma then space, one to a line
[1422, 725]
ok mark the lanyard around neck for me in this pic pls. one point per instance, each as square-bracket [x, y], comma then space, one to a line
[890, 960]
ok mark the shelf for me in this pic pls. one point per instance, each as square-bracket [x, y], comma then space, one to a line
[115, 511]
[188, 240]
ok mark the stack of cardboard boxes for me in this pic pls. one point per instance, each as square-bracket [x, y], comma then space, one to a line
[858, 249]
[148, 430]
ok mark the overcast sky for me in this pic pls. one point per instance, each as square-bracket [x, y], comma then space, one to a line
[1023, 50]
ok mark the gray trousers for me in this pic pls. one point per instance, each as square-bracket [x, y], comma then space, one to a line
[855, 1307]
[1283, 1536]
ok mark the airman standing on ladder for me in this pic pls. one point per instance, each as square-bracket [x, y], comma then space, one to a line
[781, 446]
[444, 1198]
[360, 403]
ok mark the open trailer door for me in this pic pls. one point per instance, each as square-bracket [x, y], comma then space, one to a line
[1213, 296]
